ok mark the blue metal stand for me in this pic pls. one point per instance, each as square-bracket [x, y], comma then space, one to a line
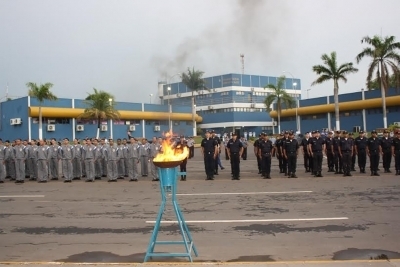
[168, 184]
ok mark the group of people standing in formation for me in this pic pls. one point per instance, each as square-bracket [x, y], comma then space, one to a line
[90, 158]
[340, 149]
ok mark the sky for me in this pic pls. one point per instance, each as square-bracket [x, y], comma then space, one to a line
[126, 47]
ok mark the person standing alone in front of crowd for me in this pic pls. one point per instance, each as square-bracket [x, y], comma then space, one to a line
[360, 148]
[386, 148]
[20, 156]
[265, 153]
[317, 148]
[396, 151]
[373, 151]
[235, 151]
[209, 150]
[290, 152]
[67, 155]
[346, 148]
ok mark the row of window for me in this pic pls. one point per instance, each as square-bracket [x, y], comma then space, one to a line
[223, 110]
[105, 122]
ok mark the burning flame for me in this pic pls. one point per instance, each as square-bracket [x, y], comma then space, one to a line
[171, 151]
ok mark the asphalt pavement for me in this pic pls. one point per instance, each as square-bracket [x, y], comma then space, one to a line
[329, 221]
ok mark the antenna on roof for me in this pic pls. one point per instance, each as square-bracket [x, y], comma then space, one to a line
[242, 60]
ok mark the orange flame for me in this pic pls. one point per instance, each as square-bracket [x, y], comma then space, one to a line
[170, 151]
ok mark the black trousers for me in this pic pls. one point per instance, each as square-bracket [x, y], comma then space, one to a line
[338, 162]
[191, 152]
[346, 158]
[280, 160]
[292, 162]
[362, 159]
[306, 160]
[244, 154]
[266, 163]
[331, 161]
[353, 161]
[374, 161]
[209, 163]
[317, 164]
[216, 163]
[226, 154]
[284, 164]
[183, 167]
[259, 164]
[235, 164]
[387, 159]
[397, 160]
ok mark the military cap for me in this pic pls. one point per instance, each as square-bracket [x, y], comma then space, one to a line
[281, 134]
[330, 132]
[338, 132]
[291, 133]
[344, 132]
[208, 131]
[212, 131]
[373, 131]
[351, 133]
[314, 132]
[260, 134]
[385, 131]
[286, 132]
[361, 132]
[234, 134]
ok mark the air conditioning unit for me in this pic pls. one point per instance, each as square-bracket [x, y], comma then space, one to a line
[103, 128]
[132, 128]
[51, 127]
[12, 121]
[252, 105]
[157, 128]
[17, 121]
[80, 128]
[210, 107]
[397, 123]
[51, 121]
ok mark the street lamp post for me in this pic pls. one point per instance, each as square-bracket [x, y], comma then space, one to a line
[111, 121]
[151, 96]
[294, 84]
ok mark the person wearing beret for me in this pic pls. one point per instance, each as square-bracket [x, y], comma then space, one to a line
[386, 148]
[373, 151]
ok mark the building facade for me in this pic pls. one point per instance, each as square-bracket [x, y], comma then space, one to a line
[233, 103]
[358, 111]
[20, 119]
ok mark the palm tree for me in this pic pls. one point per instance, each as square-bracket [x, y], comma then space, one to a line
[280, 96]
[383, 52]
[41, 93]
[100, 107]
[193, 79]
[331, 71]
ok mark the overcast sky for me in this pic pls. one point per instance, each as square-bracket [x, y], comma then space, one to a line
[126, 47]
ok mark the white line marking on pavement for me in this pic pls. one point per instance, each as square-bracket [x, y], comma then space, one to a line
[244, 193]
[21, 196]
[261, 220]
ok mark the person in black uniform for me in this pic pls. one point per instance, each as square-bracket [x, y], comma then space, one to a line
[337, 158]
[290, 152]
[396, 151]
[346, 148]
[386, 148]
[279, 156]
[316, 146]
[373, 151]
[209, 149]
[284, 160]
[353, 157]
[235, 150]
[180, 147]
[306, 155]
[218, 140]
[265, 151]
[329, 152]
[256, 146]
[360, 149]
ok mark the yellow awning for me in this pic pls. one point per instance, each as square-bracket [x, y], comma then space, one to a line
[52, 112]
[344, 106]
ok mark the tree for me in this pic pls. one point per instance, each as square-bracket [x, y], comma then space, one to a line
[331, 71]
[193, 79]
[375, 83]
[383, 52]
[100, 107]
[280, 96]
[41, 93]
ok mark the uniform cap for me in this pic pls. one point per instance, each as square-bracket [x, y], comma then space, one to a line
[260, 134]
[208, 131]
[212, 131]
[307, 133]
[286, 132]
[281, 134]
[361, 132]
[385, 131]
[291, 133]
[314, 132]
[234, 134]
[373, 131]
[338, 132]
[330, 132]
[344, 132]
[351, 134]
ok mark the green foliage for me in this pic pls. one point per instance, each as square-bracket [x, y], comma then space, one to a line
[100, 107]
[41, 92]
[384, 58]
[194, 80]
[279, 95]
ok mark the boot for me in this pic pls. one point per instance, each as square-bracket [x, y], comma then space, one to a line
[349, 174]
[397, 173]
[372, 173]
[376, 174]
[294, 175]
[388, 171]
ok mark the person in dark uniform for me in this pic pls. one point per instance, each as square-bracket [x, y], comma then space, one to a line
[265, 151]
[306, 155]
[217, 159]
[360, 149]
[337, 158]
[290, 152]
[396, 151]
[329, 152]
[179, 148]
[386, 148]
[256, 146]
[209, 149]
[346, 149]
[316, 148]
[353, 158]
[235, 150]
[373, 151]
[284, 160]
[245, 145]
[279, 156]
